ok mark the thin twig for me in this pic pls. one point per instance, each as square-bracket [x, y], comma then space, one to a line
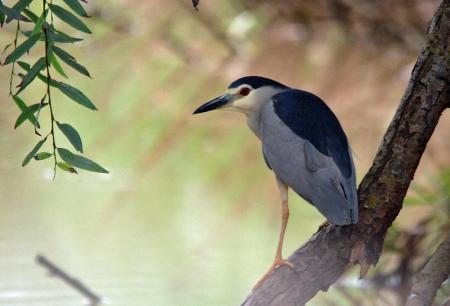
[37, 116]
[13, 64]
[52, 118]
[210, 25]
[195, 4]
[54, 270]
[51, 13]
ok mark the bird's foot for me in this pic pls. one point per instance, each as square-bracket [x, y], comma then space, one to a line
[278, 262]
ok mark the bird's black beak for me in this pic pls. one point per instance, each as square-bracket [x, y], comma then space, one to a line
[216, 103]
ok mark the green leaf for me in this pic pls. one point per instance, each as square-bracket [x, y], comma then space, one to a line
[76, 7]
[69, 18]
[31, 74]
[12, 14]
[23, 106]
[58, 36]
[42, 156]
[5, 48]
[33, 152]
[70, 60]
[72, 135]
[21, 49]
[66, 167]
[21, 5]
[80, 161]
[2, 19]
[61, 37]
[31, 15]
[57, 65]
[29, 34]
[63, 54]
[52, 82]
[28, 112]
[38, 24]
[74, 94]
[24, 66]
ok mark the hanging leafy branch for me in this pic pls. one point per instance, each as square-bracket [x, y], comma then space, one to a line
[40, 30]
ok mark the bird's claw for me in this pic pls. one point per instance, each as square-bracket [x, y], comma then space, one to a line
[282, 262]
[323, 225]
[278, 262]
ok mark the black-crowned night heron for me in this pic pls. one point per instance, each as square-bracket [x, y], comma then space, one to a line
[302, 143]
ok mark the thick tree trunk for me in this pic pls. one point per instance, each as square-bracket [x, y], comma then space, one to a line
[323, 259]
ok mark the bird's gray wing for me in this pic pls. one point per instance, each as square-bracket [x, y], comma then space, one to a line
[304, 144]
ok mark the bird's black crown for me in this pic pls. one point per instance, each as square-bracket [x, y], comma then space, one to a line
[256, 82]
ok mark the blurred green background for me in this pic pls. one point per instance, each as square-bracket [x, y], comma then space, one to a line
[189, 214]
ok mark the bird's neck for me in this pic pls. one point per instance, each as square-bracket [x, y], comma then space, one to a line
[254, 116]
[253, 122]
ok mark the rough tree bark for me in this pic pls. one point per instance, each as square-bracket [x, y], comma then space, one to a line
[429, 279]
[325, 257]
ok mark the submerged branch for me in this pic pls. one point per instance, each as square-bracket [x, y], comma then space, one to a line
[54, 270]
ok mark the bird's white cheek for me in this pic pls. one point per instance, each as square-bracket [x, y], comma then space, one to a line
[244, 104]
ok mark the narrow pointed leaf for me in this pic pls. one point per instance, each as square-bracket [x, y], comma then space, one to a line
[30, 15]
[31, 74]
[2, 19]
[57, 65]
[63, 54]
[61, 37]
[38, 113]
[27, 113]
[21, 49]
[21, 5]
[5, 48]
[69, 18]
[42, 155]
[24, 66]
[72, 135]
[70, 60]
[52, 82]
[76, 7]
[80, 161]
[66, 167]
[30, 33]
[12, 14]
[18, 8]
[74, 94]
[23, 106]
[38, 24]
[33, 152]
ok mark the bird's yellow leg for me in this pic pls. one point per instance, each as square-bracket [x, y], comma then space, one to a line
[279, 261]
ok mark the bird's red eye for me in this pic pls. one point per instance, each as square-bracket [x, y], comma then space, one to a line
[244, 91]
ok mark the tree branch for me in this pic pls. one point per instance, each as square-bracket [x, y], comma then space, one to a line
[325, 257]
[54, 270]
[429, 279]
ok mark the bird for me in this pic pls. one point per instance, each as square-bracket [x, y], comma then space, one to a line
[304, 145]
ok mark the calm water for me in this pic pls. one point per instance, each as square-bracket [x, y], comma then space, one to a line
[180, 234]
